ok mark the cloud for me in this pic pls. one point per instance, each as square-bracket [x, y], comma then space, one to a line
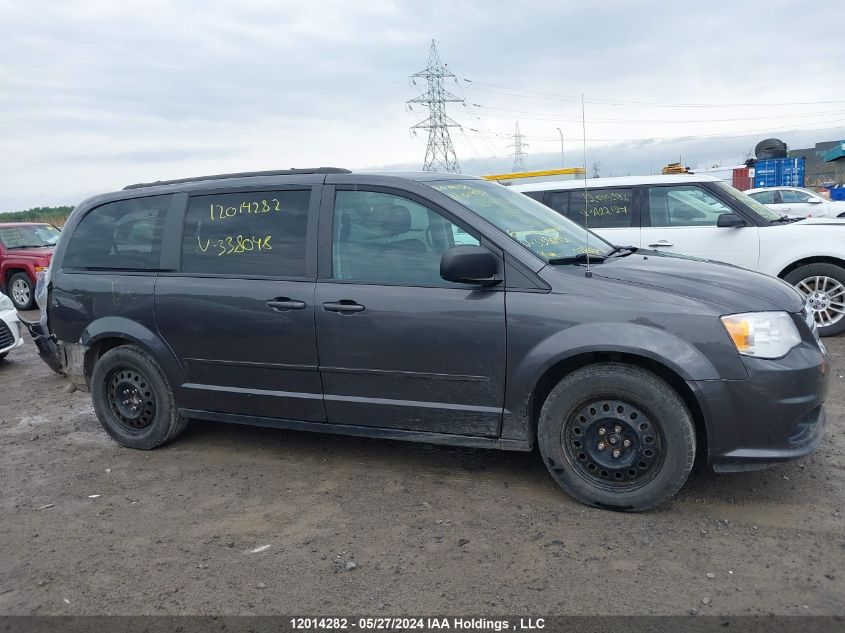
[95, 94]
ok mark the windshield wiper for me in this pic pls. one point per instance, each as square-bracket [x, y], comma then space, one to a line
[580, 258]
[785, 218]
[29, 246]
[621, 251]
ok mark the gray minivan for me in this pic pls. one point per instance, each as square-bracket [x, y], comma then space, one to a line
[435, 308]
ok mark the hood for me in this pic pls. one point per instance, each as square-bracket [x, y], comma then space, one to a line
[825, 221]
[730, 287]
[31, 253]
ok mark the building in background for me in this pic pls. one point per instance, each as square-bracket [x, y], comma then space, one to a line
[836, 156]
[819, 171]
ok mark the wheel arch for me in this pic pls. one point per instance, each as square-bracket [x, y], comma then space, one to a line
[817, 259]
[558, 371]
[13, 270]
[107, 333]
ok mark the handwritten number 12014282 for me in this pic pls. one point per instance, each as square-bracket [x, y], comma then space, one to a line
[219, 212]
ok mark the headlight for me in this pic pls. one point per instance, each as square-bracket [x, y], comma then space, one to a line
[762, 334]
[6, 303]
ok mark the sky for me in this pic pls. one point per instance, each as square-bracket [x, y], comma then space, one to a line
[97, 94]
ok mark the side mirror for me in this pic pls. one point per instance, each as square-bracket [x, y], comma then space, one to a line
[815, 201]
[470, 265]
[729, 220]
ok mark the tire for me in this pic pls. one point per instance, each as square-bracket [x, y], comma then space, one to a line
[769, 154]
[652, 418]
[768, 145]
[21, 291]
[3, 356]
[133, 399]
[823, 285]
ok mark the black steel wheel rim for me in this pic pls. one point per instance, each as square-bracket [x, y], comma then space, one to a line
[613, 444]
[131, 399]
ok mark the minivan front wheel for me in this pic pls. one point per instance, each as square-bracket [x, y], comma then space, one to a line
[133, 399]
[617, 436]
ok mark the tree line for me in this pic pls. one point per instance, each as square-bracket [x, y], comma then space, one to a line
[51, 215]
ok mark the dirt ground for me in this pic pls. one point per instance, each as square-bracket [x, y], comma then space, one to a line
[237, 520]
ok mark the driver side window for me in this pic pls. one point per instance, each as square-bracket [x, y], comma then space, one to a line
[381, 237]
[684, 205]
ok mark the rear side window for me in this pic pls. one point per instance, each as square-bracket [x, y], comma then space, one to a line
[247, 234]
[604, 209]
[123, 235]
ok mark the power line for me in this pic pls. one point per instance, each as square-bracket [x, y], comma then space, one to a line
[439, 153]
[769, 130]
[487, 165]
[551, 96]
[493, 151]
[548, 116]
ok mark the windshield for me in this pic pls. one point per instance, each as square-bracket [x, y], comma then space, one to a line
[29, 236]
[747, 202]
[543, 231]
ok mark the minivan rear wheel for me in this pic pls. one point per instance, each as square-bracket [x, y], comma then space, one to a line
[617, 436]
[133, 400]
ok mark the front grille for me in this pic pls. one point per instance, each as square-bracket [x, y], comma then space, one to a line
[6, 338]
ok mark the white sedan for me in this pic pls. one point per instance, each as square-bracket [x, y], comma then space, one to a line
[798, 202]
[10, 331]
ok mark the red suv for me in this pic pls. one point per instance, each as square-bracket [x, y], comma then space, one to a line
[25, 250]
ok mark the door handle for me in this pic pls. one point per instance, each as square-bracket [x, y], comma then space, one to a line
[281, 304]
[660, 243]
[344, 305]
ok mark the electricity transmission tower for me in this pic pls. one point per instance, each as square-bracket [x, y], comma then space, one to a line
[439, 154]
[518, 150]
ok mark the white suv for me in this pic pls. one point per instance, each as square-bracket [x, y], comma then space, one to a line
[705, 217]
[798, 202]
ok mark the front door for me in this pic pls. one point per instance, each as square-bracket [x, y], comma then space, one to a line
[681, 219]
[240, 314]
[400, 347]
[796, 203]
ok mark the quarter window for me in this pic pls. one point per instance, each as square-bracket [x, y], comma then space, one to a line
[605, 208]
[247, 234]
[684, 205]
[380, 237]
[123, 235]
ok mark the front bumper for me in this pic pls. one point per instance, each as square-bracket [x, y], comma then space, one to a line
[10, 334]
[775, 415]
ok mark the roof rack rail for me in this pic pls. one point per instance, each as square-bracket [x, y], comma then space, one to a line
[245, 174]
